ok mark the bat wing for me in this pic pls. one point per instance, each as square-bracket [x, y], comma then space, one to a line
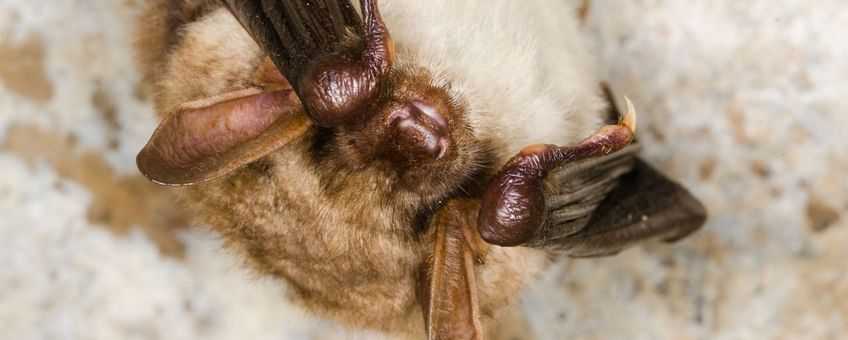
[594, 198]
[628, 206]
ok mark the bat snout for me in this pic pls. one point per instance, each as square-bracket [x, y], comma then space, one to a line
[419, 130]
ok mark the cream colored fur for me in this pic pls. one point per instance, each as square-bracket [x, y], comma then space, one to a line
[523, 67]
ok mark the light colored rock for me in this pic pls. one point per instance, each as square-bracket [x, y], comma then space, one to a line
[740, 100]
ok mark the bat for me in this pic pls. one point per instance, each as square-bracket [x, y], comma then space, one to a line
[420, 160]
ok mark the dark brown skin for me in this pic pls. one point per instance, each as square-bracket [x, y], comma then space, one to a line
[398, 144]
[337, 80]
[513, 204]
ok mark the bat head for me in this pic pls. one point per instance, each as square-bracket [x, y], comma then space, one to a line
[316, 161]
[330, 156]
[233, 89]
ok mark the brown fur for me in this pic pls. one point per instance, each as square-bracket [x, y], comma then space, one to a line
[329, 214]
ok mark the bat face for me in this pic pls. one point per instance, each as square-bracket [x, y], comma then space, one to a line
[417, 139]
[357, 156]
[338, 212]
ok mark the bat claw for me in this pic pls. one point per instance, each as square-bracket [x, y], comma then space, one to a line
[629, 119]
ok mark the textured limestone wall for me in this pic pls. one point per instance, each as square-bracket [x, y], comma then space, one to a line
[741, 100]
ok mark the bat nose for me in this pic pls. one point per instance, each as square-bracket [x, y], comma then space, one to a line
[420, 131]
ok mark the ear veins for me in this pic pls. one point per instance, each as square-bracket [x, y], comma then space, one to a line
[448, 294]
[513, 205]
[198, 128]
[206, 138]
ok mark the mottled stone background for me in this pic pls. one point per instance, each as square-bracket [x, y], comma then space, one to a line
[744, 101]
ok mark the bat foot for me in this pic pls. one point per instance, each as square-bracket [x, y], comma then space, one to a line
[513, 206]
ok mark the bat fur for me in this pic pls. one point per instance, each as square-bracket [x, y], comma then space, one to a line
[338, 233]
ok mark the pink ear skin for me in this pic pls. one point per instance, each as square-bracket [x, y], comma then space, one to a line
[203, 139]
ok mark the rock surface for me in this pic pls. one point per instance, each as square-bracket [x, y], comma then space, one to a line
[740, 100]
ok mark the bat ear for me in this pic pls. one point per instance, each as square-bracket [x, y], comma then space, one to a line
[203, 139]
